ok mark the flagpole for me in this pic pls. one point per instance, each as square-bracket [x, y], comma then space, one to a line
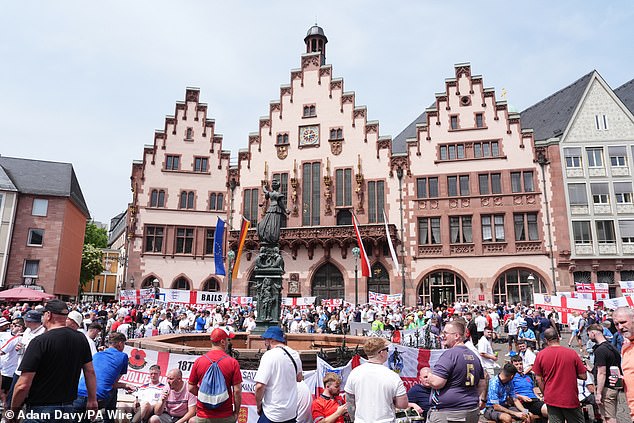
[399, 175]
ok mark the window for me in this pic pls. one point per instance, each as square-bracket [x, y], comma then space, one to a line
[40, 207]
[283, 178]
[427, 187]
[154, 239]
[172, 162]
[454, 122]
[452, 152]
[493, 228]
[310, 111]
[209, 241]
[216, 201]
[464, 185]
[516, 182]
[200, 164]
[605, 232]
[428, 230]
[595, 157]
[443, 152]
[496, 183]
[343, 187]
[187, 200]
[518, 177]
[311, 193]
[250, 211]
[600, 193]
[31, 268]
[184, 240]
[581, 232]
[336, 134]
[618, 156]
[452, 186]
[626, 228]
[601, 122]
[573, 157]
[189, 134]
[623, 192]
[486, 149]
[376, 201]
[36, 237]
[528, 181]
[479, 118]
[282, 139]
[460, 230]
[577, 194]
[525, 227]
[483, 182]
[514, 287]
[157, 198]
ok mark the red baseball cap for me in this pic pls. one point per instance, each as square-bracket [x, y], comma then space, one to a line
[219, 334]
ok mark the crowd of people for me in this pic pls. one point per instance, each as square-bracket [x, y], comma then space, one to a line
[69, 357]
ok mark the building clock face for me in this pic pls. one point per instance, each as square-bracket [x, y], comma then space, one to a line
[308, 135]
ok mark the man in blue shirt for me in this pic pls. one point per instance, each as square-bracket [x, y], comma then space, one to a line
[501, 395]
[527, 335]
[110, 365]
[524, 386]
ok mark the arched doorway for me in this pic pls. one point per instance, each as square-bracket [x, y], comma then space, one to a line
[379, 280]
[148, 282]
[211, 285]
[516, 285]
[181, 283]
[443, 287]
[327, 283]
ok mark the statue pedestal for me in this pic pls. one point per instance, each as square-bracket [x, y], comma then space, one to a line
[269, 283]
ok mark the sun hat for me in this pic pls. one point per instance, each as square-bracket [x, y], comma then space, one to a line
[275, 333]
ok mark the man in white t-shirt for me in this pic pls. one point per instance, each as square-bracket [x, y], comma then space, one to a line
[487, 356]
[512, 326]
[373, 391]
[9, 357]
[528, 356]
[495, 324]
[481, 323]
[573, 324]
[276, 379]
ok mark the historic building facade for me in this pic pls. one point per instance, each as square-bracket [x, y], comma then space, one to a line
[481, 204]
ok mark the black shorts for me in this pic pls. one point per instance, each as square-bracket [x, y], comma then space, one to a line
[534, 406]
[512, 338]
[6, 383]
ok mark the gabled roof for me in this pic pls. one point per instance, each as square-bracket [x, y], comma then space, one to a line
[5, 182]
[38, 177]
[400, 142]
[551, 116]
[626, 93]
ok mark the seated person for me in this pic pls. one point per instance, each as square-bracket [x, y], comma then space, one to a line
[329, 407]
[528, 356]
[176, 405]
[148, 395]
[526, 334]
[501, 394]
[418, 396]
[526, 391]
[585, 388]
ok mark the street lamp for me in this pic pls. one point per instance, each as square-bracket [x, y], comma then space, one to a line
[356, 253]
[132, 282]
[231, 256]
[399, 175]
[542, 160]
[531, 284]
[155, 284]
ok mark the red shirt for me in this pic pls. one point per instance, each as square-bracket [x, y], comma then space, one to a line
[324, 407]
[230, 369]
[559, 366]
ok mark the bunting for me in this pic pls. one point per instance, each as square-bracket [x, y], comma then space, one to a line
[365, 263]
[243, 236]
[219, 237]
[389, 243]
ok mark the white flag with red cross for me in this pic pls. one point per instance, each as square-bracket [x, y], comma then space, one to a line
[563, 305]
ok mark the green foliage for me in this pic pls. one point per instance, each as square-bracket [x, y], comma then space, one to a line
[91, 264]
[95, 236]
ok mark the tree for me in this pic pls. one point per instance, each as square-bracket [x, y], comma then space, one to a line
[96, 236]
[91, 265]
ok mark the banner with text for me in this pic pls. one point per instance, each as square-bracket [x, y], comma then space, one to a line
[298, 301]
[592, 291]
[385, 300]
[627, 287]
[180, 296]
[563, 305]
[137, 296]
[627, 300]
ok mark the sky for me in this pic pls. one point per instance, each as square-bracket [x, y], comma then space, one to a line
[88, 82]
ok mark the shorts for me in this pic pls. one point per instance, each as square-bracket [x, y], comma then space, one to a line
[491, 414]
[608, 406]
[534, 406]
[166, 418]
[448, 416]
[6, 383]
[512, 338]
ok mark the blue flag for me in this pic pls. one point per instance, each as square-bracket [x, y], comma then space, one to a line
[219, 236]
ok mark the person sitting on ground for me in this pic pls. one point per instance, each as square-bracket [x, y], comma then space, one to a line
[329, 407]
[177, 404]
[148, 395]
[526, 391]
[527, 335]
[501, 394]
[418, 395]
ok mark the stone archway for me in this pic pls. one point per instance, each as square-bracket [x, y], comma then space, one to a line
[211, 285]
[379, 280]
[515, 285]
[327, 282]
[181, 283]
[443, 286]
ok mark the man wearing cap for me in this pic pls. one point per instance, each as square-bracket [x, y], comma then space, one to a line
[74, 320]
[51, 367]
[9, 356]
[276, 379]
[527, 335]
[228, 411]
[372, 389]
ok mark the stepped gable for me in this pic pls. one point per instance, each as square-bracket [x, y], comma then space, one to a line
[551, 116]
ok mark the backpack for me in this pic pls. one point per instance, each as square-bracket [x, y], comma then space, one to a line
[213, 392]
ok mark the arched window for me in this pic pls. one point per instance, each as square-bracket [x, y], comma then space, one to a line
[189, 134]
[211, 285]
[190, 200]
[344, 217]
[154, 198]
[161, 198]
[443, 287]
[379, 280]
[183, 202]
[181, 283]
[327, 282]
[220, 200]
[514, 286]
[148, 282]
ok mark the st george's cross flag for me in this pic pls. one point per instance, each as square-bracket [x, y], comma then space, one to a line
[365, 263]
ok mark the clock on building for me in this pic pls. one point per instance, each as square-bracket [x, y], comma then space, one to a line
[309, 135]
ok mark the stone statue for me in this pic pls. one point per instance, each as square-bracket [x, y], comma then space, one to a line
[269, 227]
[268, 296]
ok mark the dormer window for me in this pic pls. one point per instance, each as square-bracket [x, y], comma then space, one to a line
[189, 134]
[310, 111]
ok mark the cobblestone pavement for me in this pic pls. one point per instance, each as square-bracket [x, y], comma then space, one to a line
[623, 414]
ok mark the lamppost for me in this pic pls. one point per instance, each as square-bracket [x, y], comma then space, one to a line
[356, 253]
[531, 284]
[543, 161]
[231, 256]
[155, 284]
[399, 175]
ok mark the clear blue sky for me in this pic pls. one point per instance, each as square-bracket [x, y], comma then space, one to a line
[89, 82]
